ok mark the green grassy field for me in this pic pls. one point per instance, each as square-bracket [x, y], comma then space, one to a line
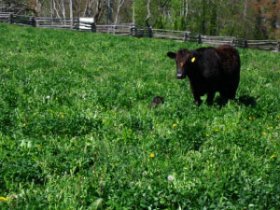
[77, 132]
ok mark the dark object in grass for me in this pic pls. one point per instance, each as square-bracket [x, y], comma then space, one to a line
[157, 100]
[209, 70]
[247, 100]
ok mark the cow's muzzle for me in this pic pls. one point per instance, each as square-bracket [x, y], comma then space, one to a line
[180, 76]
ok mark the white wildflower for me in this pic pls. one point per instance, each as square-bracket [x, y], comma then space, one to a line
[170, 178]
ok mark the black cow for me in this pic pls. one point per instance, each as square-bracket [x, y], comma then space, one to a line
[209, 70]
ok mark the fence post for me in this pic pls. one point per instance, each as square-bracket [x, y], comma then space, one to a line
[278, 46]
[93, 27]
[34, 22]
[186, 36]
[114, 29]
[133, 31]
[199, 40]
[245, 43]
[233, 42]
[237, 42]
[77, 24]
[150, 32]
[12, 19]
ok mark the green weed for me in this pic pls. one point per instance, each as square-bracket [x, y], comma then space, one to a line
[77, 131]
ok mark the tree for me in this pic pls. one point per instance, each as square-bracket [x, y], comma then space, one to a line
[119, 5]
[246, 19]
[71, 11]
[268, 10]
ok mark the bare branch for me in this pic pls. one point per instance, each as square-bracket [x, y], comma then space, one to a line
[120, 4]
[148, 10]
[54, 7]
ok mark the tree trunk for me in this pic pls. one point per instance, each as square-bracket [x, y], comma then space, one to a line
[71, 12]
[186, 9]
[245, 9]
[245, 20]
[203, 18]
[51, 9]
[133, 12]
[35, 6]
[120, 3]
[98, 10]
[63, 9]
[148, 10]
[213, 20]
[55, 10]
[110, 12]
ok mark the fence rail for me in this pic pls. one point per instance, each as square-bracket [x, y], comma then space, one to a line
[5, 16]
[45, 22]
[21, 19]
[88, 24]
[123, 29]
[169, 34]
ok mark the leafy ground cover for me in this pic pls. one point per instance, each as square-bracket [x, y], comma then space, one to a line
[77, 131]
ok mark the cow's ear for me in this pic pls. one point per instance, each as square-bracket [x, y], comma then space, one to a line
[171, 55]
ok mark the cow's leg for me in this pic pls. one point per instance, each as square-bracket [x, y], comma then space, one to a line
[223, 99]
[196, 95]
[210, 97]
[226, 95]
[197, 100]
[230, 89]
[231, 94]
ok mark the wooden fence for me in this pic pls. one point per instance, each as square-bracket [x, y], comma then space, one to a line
[87, 24]
[5, 16]
[169, 34]
[123, 29]
[46, 22]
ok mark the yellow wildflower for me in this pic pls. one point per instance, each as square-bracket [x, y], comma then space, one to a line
[174, 125]
[152, 155]
[4, 199]
[264, 133]
[273, 156]
[251, 118]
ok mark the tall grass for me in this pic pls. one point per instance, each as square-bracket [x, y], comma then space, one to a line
[77, 131]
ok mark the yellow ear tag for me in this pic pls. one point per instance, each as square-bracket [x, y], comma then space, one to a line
[193, 59]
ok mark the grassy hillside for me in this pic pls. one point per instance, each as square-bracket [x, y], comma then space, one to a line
[77, 132]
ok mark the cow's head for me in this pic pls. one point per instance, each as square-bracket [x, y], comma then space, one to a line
[183, 58]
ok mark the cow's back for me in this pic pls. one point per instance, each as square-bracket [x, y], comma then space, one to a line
[230, 69]
[230, 60]
[207, 66]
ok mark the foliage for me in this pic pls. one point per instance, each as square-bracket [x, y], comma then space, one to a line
[250, 19]
[77, 131]
[245, 19]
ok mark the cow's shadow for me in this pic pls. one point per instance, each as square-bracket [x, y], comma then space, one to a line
[246, 100]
